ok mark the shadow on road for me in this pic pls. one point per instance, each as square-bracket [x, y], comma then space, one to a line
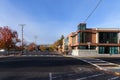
[40, 62]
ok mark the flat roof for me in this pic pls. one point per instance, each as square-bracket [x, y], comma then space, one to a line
[107, 28]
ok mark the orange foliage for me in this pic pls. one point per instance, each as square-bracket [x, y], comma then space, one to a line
[6, 37]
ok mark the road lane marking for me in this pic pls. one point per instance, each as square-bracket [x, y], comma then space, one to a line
[50, 76]
[57, 76]
[113, 78]
[100, 65]
[99, 61]
[61, 75]
[71, 74]
[92, 64]
[92, 76]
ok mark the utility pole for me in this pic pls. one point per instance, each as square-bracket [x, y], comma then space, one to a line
[35, 38]
[35, 42]
[22, 26]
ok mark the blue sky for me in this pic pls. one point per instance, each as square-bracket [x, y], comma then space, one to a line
[49, 19]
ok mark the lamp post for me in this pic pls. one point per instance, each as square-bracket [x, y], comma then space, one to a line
[22, 26]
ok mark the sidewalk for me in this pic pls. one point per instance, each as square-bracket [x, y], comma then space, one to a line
[97, 55]
[101, 64]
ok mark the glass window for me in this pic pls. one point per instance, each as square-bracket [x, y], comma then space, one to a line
[108, 50]
[108, 37]
[73, 39]
[113, 50]
[79, 38]
[82, 26]
[101, 49]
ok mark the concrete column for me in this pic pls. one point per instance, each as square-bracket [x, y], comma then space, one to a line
[97, 37]
[76, 48]
[97, 48]
[97, 41]
[76, 38]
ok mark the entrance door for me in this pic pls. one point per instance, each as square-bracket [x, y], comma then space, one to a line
[101, 50]
[113, 50]
[107, 49]
[104, 50]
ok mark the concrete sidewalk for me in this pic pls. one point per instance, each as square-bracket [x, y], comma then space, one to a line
[101, 64]
[95, 55]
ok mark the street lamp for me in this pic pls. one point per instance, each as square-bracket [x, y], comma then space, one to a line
[22, 26]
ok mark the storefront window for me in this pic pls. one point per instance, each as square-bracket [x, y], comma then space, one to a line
[108, 50]
[79, 37]
[108, 37]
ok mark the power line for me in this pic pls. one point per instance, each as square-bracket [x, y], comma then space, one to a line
[93, 10]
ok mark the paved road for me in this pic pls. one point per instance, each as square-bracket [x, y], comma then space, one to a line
[50, 68]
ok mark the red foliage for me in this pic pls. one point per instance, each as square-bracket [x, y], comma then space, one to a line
[6, 37]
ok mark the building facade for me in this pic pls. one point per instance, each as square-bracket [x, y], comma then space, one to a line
[103, 40]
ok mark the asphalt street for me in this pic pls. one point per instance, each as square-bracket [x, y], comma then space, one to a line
[52, 67]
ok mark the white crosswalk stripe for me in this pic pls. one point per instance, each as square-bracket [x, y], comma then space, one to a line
[114, 78]
[103, 65]
[92, 76]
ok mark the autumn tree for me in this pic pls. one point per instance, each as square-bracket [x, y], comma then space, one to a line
[58, 43]
[32, 46]
[8, 38]
[42, 48]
